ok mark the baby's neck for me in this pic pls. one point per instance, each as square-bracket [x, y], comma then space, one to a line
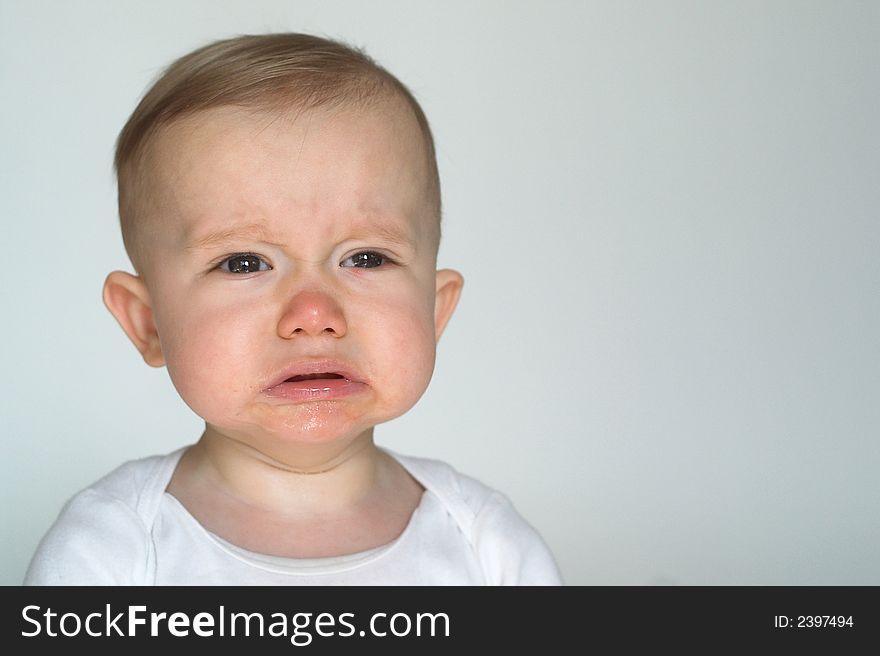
[322, 479]
[359, 498]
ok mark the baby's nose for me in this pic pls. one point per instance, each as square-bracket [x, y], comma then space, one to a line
[312, 313]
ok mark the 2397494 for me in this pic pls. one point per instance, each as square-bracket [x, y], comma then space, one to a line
[813, 621]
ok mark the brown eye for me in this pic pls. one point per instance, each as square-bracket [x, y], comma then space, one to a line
[244, 263]
[365, 260]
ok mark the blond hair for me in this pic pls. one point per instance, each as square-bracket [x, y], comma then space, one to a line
[268, 71]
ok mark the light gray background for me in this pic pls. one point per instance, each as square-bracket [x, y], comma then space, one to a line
[666, 213]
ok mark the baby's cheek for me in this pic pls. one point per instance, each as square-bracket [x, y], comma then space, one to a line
[205, 366]
[409, 353]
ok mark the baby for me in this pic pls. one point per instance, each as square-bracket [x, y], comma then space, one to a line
[280, 203]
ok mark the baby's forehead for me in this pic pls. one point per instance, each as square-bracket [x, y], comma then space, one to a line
[220, 123]
[214, 137]
[232, 163]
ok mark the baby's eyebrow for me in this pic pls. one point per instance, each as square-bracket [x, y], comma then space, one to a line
[257, 231]
[218, 237]
[391, 233]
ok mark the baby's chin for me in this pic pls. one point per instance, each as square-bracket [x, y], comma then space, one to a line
[310, 423]
[314, 451]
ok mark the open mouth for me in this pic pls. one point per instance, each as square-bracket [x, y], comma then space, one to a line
[312, 384]
[310, 379]
[320, 376]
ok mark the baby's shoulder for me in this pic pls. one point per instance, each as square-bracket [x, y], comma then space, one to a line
[134, 480]
[466, 498]
[510, 550]
[445, 480]
[102, 534]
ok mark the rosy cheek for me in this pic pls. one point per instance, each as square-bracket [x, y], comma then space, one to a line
[411, 348]
[206, 353]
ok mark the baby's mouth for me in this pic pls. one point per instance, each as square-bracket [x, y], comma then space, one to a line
[313, 386]
[316, 374]
[296, 379]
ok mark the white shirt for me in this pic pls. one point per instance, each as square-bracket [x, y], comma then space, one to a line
[127, 530]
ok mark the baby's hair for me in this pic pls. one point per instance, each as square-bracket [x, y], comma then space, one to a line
[274, 72]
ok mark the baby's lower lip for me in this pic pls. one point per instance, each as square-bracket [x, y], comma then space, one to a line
[316, 389]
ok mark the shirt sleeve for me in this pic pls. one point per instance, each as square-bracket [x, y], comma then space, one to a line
[510, 550]
[96, 540]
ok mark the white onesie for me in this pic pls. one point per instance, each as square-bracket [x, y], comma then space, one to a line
[127, 530]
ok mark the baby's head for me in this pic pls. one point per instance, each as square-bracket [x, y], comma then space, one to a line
[278, 74]
[280, 203]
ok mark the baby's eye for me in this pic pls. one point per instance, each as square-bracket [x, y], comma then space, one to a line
[365, 260]
[243, 263]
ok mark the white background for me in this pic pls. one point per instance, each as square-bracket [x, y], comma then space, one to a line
[666, 213]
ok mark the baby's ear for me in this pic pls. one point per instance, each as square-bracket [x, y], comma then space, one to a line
[449, 284]
[128, 300]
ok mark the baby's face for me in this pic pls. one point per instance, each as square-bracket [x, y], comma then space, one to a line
[285, 247]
